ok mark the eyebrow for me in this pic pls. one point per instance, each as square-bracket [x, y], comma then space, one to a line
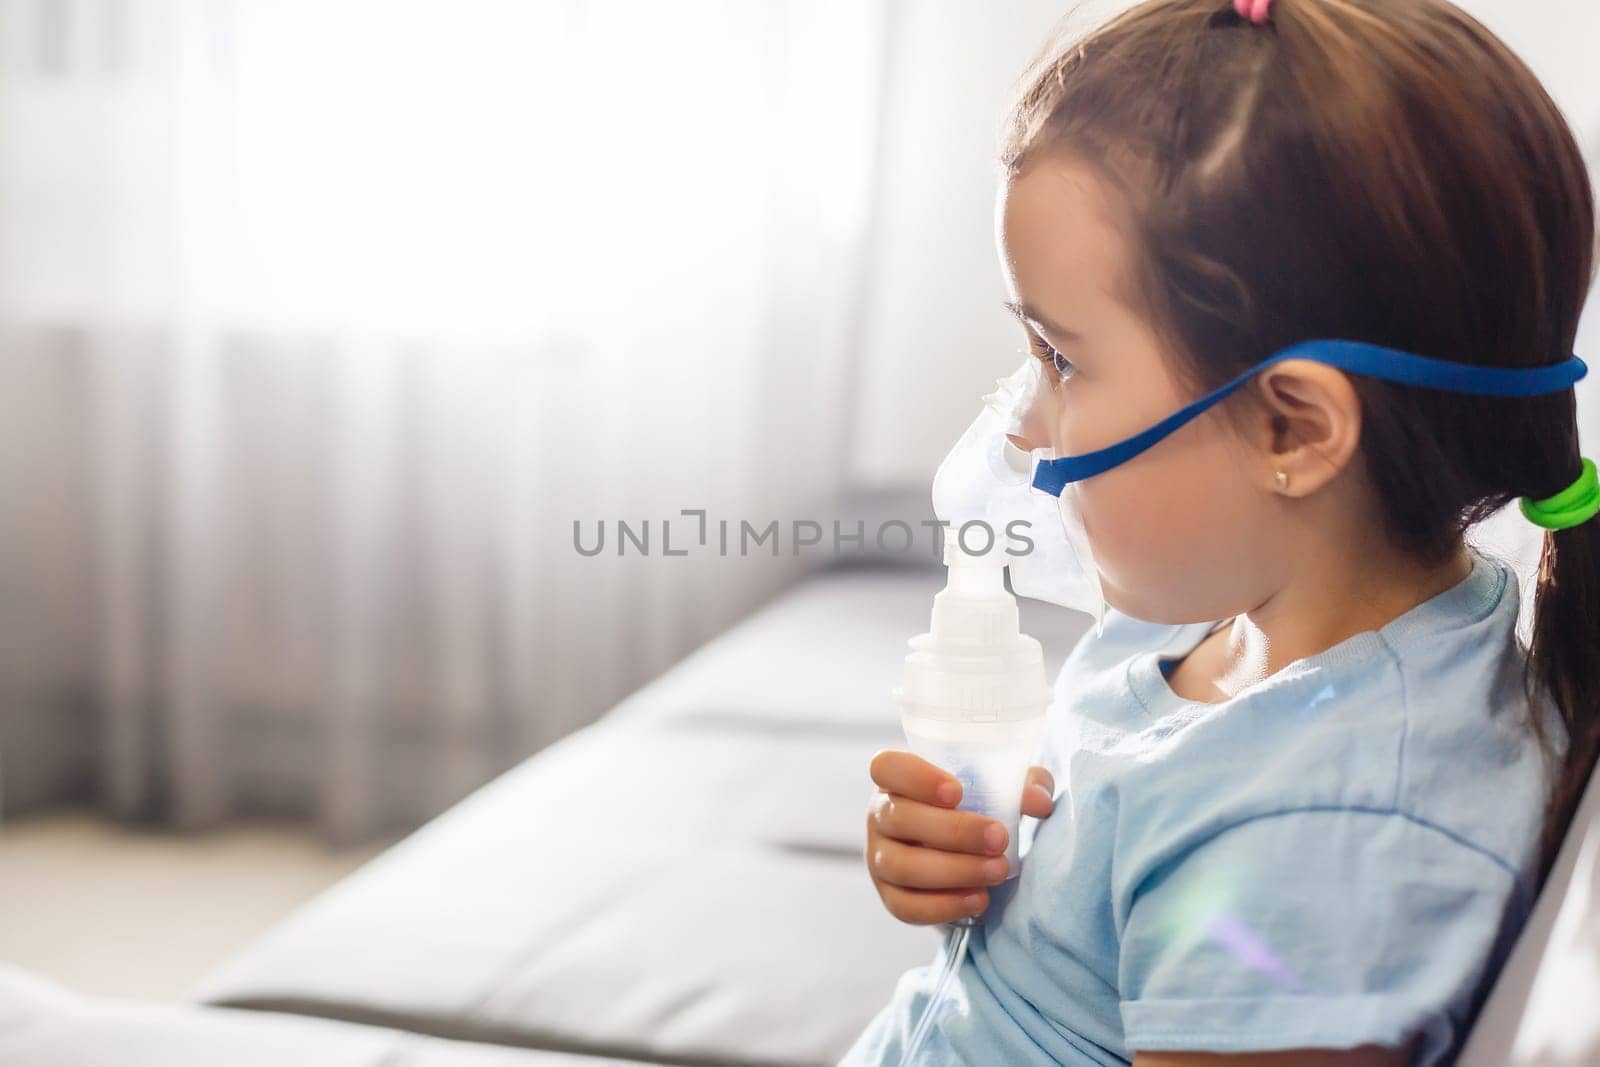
[1028, 315]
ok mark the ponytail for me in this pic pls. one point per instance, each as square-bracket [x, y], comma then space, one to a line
[1564, 666]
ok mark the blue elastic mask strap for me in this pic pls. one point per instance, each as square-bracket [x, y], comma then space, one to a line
[1390, 364]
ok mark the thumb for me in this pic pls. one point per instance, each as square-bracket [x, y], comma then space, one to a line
[1038, 793]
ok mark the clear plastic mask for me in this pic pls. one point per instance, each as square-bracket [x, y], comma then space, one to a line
[984, 490]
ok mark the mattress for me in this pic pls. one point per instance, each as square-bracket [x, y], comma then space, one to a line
[44, 1025]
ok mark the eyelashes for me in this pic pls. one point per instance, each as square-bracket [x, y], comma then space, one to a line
[1063, 367]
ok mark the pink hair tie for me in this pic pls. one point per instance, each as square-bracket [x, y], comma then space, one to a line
[1254, 10]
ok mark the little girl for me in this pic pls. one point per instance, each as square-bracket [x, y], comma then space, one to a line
[1311, 780]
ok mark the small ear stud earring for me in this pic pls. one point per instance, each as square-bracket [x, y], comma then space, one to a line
[1281, 480]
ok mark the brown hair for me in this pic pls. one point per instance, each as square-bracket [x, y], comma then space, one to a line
[1375, 170]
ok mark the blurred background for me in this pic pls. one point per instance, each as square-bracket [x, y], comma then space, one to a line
[322, 322]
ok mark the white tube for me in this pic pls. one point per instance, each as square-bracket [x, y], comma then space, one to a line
[955, 952]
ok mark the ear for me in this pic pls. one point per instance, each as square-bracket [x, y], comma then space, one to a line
[1314, 425]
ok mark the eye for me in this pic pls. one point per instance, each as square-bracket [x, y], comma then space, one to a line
[1064, 368]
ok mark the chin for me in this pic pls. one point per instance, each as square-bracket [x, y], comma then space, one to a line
[1151, 609]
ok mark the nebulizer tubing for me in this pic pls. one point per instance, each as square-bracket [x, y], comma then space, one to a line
[955, 951]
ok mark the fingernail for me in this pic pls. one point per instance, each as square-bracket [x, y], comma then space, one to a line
[1043, 792]
[995, 837]
[995, 870]
[973, 904]
[949, 793]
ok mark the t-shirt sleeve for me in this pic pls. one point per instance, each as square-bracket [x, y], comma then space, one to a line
[1328, 928]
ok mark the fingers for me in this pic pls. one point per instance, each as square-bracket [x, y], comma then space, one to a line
[954, 831]
[896, 771]
[915, 867]
[1038, 793]
[930, 861]
[927, 906]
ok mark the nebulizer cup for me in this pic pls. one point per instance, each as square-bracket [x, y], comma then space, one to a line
[973, 696]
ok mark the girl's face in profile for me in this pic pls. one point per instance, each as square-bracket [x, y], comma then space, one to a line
[1189, 531]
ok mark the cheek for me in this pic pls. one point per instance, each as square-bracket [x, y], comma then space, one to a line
[1175, 531]
[1080, 422]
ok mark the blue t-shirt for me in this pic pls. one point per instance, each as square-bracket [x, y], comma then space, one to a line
[1340, 854]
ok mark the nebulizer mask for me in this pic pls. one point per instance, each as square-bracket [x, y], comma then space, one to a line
[985, 491]
[973, 699]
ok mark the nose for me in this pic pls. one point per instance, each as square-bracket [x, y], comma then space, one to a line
[1037, 419]
[1022, 442]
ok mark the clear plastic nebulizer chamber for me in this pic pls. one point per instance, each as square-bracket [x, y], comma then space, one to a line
[973, 697]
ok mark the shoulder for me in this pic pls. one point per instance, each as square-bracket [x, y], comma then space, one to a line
[1424, 719]
[1470, 760]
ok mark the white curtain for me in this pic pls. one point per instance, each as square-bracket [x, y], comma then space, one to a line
[323, 320]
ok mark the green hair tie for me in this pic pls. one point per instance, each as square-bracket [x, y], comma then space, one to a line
[1576, 503]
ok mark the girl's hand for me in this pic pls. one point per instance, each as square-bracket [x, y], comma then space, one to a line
[930, 862]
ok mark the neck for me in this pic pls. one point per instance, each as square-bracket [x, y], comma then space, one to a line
[1327, 599]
